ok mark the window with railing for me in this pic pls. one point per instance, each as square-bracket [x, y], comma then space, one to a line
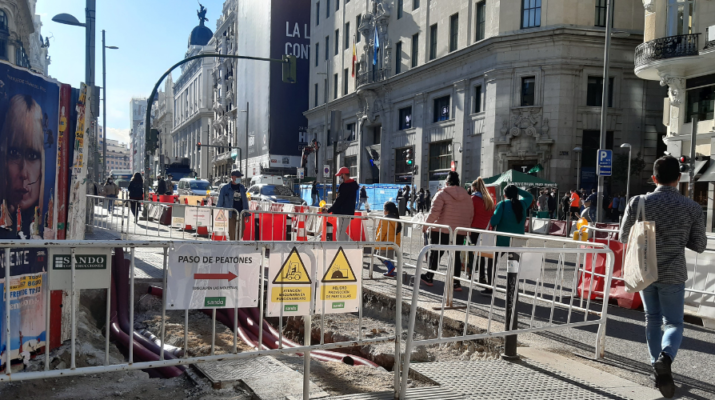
[680, 17]
[700, 103]
[530, 14]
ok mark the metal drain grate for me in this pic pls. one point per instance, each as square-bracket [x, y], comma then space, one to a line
[426, 393]
[501, 379]
[233, 370]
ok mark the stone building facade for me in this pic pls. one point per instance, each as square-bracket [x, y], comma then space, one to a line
[162, 111]
[193, 103]
[223, 132]
[21, 40]
[491, 85]
[678, 50]
[137, 133]
[117, 152]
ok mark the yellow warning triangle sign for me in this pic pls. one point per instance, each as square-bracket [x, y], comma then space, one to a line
[221, 215]
[340, 269]
[293, 270]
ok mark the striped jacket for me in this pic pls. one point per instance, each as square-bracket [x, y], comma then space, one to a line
[679, 223]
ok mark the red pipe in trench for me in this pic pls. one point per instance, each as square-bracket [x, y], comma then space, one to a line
[248, 332]
[144, 350]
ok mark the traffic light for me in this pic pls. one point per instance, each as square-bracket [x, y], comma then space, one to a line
[152, 142]
[684, 163]
[198, 146]
[289, 69]
[416, 169]
[408, 156]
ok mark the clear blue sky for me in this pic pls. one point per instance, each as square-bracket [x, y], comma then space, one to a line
[151, 35]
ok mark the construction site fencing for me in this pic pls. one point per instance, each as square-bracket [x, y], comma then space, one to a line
[699, 288]
[549, 305]
[160, 220]
[248, 324]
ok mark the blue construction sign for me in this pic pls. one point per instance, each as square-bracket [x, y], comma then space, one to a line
[605, 162]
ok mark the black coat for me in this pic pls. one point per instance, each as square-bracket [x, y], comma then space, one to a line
[136, 189]
[161, 187]
[347, 198]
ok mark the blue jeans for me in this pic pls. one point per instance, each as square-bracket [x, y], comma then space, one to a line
[664, 304]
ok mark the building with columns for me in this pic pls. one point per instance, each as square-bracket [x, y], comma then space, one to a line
[678, 50]
[193, 103]
[491, 85]
[21, 41]
[223, 127]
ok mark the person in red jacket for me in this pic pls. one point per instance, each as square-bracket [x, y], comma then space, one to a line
[483, 211]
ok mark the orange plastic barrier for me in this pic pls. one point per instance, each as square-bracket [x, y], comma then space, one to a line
[356, 231]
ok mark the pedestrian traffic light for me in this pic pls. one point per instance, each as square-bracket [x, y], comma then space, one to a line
[289, 69]
[198, 146]
[684, 164]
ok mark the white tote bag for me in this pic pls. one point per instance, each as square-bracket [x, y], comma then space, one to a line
[640, 268]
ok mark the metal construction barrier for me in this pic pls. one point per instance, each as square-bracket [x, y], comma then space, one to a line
[549, 308]
[699, 288]
[296, 223]
[302, 279]
[161, 220]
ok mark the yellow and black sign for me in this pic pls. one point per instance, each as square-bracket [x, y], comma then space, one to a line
[221, 216]
[293, 270]
[339, 270]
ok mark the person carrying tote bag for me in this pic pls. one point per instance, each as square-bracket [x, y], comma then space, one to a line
[640, 268]
[658, 227]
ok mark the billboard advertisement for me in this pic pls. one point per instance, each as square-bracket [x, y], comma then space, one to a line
[276, 122]
[29, 121]
[290, 35]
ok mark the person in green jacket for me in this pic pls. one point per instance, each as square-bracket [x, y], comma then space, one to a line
[510, 214]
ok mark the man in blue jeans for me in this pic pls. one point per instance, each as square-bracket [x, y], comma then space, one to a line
[679, 223]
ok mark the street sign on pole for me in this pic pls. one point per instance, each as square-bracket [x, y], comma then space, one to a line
[301, 173]
[326, 170]
[605, 162]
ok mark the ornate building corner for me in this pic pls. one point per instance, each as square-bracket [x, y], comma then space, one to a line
[649, 6]
[676, 86]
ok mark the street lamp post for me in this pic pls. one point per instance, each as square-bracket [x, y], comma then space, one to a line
[604, 103]
[578, 151]
[628, 180]
[67, 19]
[245, 168]
[104, 104]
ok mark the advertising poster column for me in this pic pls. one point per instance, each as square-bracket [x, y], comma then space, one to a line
[290, 280]
[341, 281]
[28, 153]
[27, 298]
[212, 276]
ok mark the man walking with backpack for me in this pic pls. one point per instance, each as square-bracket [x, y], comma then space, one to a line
[679, 223]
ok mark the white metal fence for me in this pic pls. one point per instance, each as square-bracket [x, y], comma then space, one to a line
[572, 313]
[164, 358]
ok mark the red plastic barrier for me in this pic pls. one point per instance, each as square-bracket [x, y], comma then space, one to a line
[557, 228]
[607, 235]
[356, 230]
[166, 198]
[272, 227]
[618, 290]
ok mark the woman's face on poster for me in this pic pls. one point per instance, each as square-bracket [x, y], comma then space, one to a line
[24, 173]
[24, 140]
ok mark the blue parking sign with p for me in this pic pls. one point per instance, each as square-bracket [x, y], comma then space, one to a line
[605, 162]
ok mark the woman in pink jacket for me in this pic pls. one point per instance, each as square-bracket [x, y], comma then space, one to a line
[451, 206]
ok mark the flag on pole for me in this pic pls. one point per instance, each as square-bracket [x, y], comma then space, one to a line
[377, 47]
[354, 57]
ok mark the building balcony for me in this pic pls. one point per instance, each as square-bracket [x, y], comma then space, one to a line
[678, 56]
[371, 76]
[223, 158]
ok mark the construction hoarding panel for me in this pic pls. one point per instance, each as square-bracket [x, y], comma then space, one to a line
[28, 268]
[290, 280]
[29, 124]
[212, 276]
